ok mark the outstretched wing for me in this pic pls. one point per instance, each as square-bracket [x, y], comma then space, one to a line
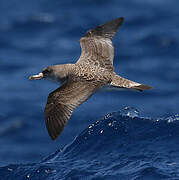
[62, 102]
[96, 45]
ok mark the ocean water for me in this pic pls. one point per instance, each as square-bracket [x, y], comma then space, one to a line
[114, 135]
[122, 145]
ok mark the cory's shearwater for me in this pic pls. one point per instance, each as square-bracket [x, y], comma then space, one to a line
[93, 70]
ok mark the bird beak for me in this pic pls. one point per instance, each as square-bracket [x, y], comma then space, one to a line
[35, 77]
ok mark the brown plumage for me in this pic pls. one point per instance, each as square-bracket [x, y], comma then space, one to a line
[93, 70]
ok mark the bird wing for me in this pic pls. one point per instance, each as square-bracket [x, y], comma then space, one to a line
[97, 47]
[62, 102]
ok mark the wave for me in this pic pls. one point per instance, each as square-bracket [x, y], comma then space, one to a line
[122, 145]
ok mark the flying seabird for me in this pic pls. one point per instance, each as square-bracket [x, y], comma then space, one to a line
[93, 71]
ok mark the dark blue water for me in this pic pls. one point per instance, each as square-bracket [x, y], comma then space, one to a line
[123, 145]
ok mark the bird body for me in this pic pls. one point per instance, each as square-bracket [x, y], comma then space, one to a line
[93, 71]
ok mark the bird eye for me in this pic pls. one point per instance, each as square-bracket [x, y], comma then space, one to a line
[46, 71]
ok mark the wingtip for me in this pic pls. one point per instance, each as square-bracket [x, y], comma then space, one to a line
[121, 19]
[107, 29]
[53, 138]
[52, 135]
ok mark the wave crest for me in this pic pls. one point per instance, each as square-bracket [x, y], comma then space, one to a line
[121, 145]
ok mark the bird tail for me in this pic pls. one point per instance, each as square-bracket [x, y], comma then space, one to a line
[119, 82]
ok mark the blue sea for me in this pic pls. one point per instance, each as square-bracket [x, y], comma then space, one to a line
[121, 135]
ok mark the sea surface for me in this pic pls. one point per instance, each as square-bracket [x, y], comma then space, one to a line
[123, 135]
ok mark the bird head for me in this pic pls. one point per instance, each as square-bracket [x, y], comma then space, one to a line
[56, 73]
